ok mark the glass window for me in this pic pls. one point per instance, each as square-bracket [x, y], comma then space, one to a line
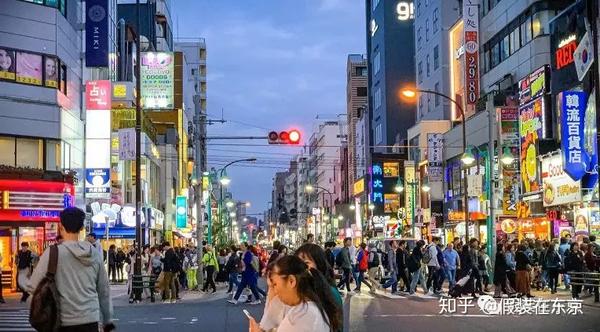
[420, 71]
[486, 61]
[526, 31]
[437, 98]
[374, 4]
[30, 153]
[378, 134]
[52, 3]
[539, 23]
[495, 56]
[361, 91]
[427, 30]
[436, 57]
[514, 41]
[436, 20]
[53, 156]
[427, 66]
[504, 48]
[419, 37]
[377, 63]
[7, 151]
[377, 98]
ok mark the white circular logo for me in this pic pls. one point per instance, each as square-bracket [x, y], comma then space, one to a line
[96, 13]
[181, 210]
[471, 46]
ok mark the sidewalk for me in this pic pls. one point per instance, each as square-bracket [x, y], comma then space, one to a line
[562, 294]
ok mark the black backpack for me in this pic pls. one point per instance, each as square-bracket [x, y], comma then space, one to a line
[44, 314]
[375, 262]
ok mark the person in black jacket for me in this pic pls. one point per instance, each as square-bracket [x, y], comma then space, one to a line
[112, 263]
[170, 269]
[401, 261]
[120, 262]
[329, 253]
[574, 263]
[232, 269]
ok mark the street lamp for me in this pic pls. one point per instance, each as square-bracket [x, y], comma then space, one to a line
[248, 204]
[410, 93]
[352, 207]
[309, 188]
[507, 156]
[229, 204]
[371, 207]
[232, 214]
[225, 180]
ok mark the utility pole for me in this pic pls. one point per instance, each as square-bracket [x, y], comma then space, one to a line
[200, 152]
[138, 153]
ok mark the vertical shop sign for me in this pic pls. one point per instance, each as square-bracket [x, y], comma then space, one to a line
[96, 33]
[409, 190]
[434, 156]
[377, 184]
[509, 136]
[531, 116]
[471, 29]
[181, 211]
[575, 160]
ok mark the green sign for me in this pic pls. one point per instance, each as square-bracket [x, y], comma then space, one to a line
[181, 211]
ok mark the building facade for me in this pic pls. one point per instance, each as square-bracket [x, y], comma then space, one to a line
[356, 101]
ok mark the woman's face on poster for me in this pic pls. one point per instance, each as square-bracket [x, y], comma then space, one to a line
[5, 60]
[50, 68]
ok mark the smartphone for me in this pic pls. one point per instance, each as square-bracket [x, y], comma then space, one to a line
[247, 313]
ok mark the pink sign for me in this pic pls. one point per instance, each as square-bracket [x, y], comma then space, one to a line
[98, 95]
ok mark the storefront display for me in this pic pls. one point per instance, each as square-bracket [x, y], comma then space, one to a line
[534, 228]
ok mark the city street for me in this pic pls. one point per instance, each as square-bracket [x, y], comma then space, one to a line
[362, 312]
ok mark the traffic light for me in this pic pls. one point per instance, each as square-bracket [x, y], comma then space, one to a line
[284, 137]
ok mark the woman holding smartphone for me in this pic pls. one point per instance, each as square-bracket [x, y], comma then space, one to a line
[306, 293]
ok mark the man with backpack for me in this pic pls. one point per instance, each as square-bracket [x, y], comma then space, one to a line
[83, 293]
[344, 262]
[392, 268]
[249, 276]
[233, 267]
[362, 265]
[430, 257]
[373, 265]
[209, 260]
[414, 267]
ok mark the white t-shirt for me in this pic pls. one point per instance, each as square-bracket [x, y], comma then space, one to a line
[304, 317]
[433, 253]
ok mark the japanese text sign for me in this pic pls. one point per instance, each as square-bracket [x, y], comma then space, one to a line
[98, 95]
[575, 160]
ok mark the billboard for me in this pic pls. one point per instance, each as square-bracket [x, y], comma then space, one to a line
[157, 80]
[7, 64]
[97, 182]
[558, 187]
[97, 139]
[575, 159]
[531, 117]
[29, 68]
[435, 144]
[471, 30]
[96, 33]
[509, 137]
[97, 95]
[409, 190]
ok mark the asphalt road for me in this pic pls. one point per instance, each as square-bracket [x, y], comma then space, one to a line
[363, 312]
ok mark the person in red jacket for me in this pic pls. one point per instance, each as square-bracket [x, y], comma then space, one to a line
[362, 264]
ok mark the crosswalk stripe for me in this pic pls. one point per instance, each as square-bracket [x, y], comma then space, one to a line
[15, 320]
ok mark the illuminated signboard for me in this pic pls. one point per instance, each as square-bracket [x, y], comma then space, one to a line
[530, 132]
[157, 80]
[405, 11]
[97, 95]
[34, 200]
[377, 184]
[533, 85]
[409, 190]
[471, 33]
[564, 53]
[558, 187]
[181, 211]
[359, 186]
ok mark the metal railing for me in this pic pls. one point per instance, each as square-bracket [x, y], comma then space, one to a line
[589, 279]
[139, 283]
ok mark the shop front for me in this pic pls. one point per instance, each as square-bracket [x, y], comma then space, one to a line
[456, 227]
[30, 212]
[115, 225]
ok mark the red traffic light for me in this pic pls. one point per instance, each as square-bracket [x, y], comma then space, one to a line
[294, 136]
[284, 137]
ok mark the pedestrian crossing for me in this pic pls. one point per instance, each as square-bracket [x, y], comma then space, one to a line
[15, 320]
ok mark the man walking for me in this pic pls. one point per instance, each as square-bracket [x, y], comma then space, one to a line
[392, 268]
[170, 269]
[249, 276]
[91, 238]
[24, 263]
[401, 261]
[211, 266]
[344, 262]
[433, 266]
[81, 280]
[374, 262]
[451, 264]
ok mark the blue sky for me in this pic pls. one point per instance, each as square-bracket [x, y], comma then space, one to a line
[272, 64]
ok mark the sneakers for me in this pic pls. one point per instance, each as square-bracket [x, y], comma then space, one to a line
[173, 301]
[255, 302]
[430, 293]
[232, 301]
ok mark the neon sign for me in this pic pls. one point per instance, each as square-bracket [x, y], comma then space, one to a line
[39, 214]
[564, 54]
[405, 11]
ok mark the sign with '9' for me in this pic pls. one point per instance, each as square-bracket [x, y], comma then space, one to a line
[471, 29]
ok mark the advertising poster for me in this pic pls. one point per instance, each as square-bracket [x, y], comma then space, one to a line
[98, 95]
[51, 72]
[409, 190]
[581, 223]
[558, 187]
[435, 145]
[7, 64]
[157, 80]
[29, 68]
[97, 182]
[530, 132]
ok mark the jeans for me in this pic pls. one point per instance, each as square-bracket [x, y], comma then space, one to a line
[233, 280]
[355, 273]
[404, 276]
[210, 272]
[451, 275]
[345, 279]
[183, 280]
[192, 281]
[417, 277]
[552, 278]
[566, 280]
[112, 272]
[247, 283]
[393, 282]
[432, 278]
[361, 280]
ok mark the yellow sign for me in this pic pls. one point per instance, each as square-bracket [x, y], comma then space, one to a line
[359, 187]
[119, 90]
[456, 216]
[205, 183]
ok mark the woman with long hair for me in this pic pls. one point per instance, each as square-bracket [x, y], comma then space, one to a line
[522, 275]
[315, 258]
[306, 292]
